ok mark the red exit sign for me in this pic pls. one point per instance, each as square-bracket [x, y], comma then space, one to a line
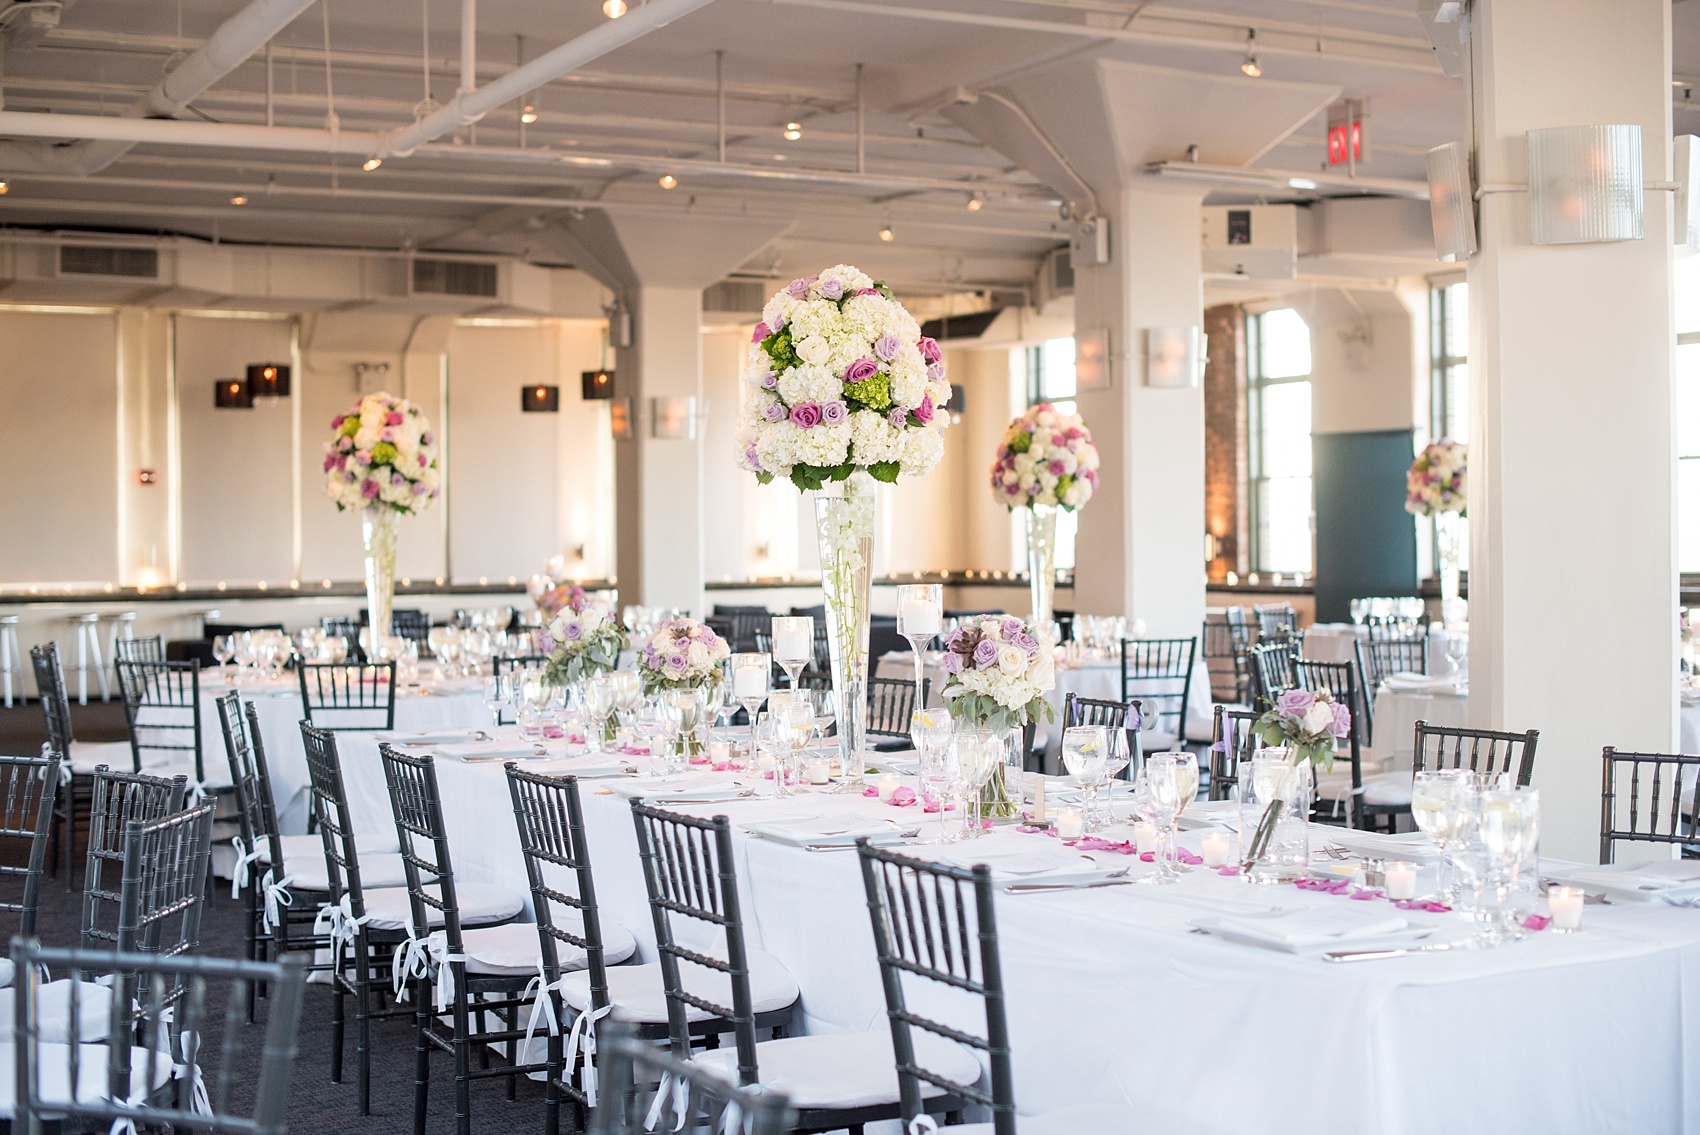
[1348, 142]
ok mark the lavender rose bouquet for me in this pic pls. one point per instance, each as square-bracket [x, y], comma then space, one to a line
[1307, 723]
[581, 641]
[681, 654]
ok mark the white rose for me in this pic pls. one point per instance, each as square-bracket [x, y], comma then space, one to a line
[1319, 717]
[814, 350]
[1012, 659]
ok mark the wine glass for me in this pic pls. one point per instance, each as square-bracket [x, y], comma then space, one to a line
[335, 649]
[1437, 808]
[223, 649]
[920, 613]
[599, 703]
[1186, 779]
[974, 755]
[793, 644]
[1508, 827]
[930, 729]
[1162, 806]
[750, 674]
[1085, 750]
[684, 710]
[794, 720]
[495, 697]
[1457, 650]
[628, 689]
[826, 711]
[939, 778]
[649, 722]
[1115, 760]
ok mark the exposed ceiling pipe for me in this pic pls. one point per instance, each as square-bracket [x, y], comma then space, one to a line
[468, 106]
[468, 46]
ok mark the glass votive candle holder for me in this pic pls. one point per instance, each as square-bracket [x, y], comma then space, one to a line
[1214, 848]
[1565, 904]
[1071, 824]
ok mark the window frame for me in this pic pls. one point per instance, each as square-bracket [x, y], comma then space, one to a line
[1255, 386]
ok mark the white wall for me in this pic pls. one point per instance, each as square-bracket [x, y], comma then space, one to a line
[1361, 372]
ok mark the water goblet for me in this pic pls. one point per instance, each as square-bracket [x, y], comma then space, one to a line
[975, 755]
[224, 649]
[684, 710]
[793, 644]
[939, 777]
[826, 711]
[750, 674]
[495, 697]
[599, 704]
[628, 690]
[1085, 750]
[1115, 760]
[930, 730]
[1438, 810]
[1164, 802]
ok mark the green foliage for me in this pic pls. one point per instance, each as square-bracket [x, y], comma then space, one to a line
[384, 453]
[884, 471]
[1021, 443]
[872, 393]
[779, 349]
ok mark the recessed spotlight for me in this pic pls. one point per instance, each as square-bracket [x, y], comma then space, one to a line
[976, 202]
[613, 9]
[4, 188]
[887, 235]
[667, 181]
[238, 199]
[528, 114]
[372, 164]
[793, 131]
[1250, 66]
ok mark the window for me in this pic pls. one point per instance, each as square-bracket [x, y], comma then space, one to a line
[1050, 378]
[1449, 398]
[1278, 421]
[1688, 413]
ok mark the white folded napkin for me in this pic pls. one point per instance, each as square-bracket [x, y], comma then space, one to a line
[1410, 682]
[569, 766]
[1414, 847]
[821, 831]
[416, 737]
[1335, 924]
[1654, 879]
[474, 751]
[1025, 867]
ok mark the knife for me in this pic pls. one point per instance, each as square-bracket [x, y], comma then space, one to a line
[1024, 888]
[1373, 955]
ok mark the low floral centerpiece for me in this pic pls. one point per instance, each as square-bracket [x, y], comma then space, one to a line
[681, 654]
[1045, 462]
[581, 639]
[1437, 485]
[381, 459]
[1303, 726]
[1000, 669]
[842, 390]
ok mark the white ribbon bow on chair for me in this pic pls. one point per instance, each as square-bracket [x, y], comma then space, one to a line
[681, 1093]
[584, 1033]
[923, 1124]
[244, 859]
[542, 1005]
[337, 922]
[444, 960]
[277, 896]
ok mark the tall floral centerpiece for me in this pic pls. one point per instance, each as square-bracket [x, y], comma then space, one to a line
[1437, 486]
[1000, 670]
[382, 460]
[1045, 462]
[842, 390]
[1300, 731]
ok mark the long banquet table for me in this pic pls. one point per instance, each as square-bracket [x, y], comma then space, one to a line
[1112, 1000]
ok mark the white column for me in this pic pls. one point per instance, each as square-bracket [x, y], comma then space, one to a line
[659, 513]
[1573, 583]
[1140, 550]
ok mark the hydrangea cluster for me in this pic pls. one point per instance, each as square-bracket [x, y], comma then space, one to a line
[383, 454]
[1046, 457]
[582, 640]
[1000, 670]
[1438, 479]
[681, 654]
[1307, 723]
[840, 378]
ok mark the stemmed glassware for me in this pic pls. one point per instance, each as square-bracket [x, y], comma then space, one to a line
[920, 614]
[495, 697]
[628, 690]
[1085, 752]
[1163, 804]
[826, 710]
[599, 704]
[223, 649]
[793, 644]
[684, 710]
[1438, 809]
[649, 722]
[975, 755]
[793, 719]
[1507, 823]
[1115, 760]
[1186, 779]
[750, 674]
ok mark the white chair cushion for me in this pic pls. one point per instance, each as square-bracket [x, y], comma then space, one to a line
[636, 992]
[1336, 785]
[55, 1076]
[304, 859]
[53, 1005]
[6, 972]
[388, 909]
[86, 756]
[514, 949]
[844, 1070]
[1388, 790]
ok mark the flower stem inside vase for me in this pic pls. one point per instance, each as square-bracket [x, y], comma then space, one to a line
[1041, 562]
[379, 525]
[844, 522]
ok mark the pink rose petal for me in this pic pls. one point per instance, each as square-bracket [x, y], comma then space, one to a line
[1363, 895]
[1230, 870]
[1537, 922]
[870, 790]
[902, 797]
[1188, 857]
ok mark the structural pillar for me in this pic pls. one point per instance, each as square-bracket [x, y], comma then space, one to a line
[1573, 580]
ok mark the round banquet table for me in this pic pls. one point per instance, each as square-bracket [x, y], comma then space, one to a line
[1337, 642]
[1112, 998]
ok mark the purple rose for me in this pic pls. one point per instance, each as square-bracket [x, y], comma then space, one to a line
[797, 288]
[899, 417]
[677, 662]
[1057, 467]
[924, 412]
[887, 347]
[985, 652]
[867, 291]
[834, 413]
[832, 290]
[861, 370]
[386, 434]
[935, 372]
[952, 663]
[427, 438]
[709, 638]
[761, 332]
[1011, 626]
[1342, 727]
[418, 489]
[930, 349]
[769, 380]
[954, 638]
[779, 322]
[1294, 703]
[574, 630]
[1025, 641]
[1012, 490]
[805, 415]
[774, 412]
[369, 489]
[752, 461]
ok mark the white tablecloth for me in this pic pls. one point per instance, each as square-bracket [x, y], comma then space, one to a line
[1101, 680]
[1397, 713]
[1691, 725]
[1337, 642]
[1111, 1000]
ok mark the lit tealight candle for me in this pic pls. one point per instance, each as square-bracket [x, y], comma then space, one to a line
[1565, 903]
[817, 771]
[1401, 880]
[1145, 836]
[1070, 823]
[887, 784]
[1215, 849]
[719, 752]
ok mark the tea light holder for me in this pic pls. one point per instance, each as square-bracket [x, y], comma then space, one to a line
[1215, 849]
[1565, 903]
[719, 753]
[1071, 824]
[1401, 880]
[1145, 836]
[887, 784]
[817, 771]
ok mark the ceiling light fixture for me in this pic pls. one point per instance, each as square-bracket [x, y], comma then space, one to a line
[668, 181]
[793, 131]
[528, 114]
[976, 202]
[1250, 66]
[887, 235]
[613, 9]
[238, 199]
[372, 164]
[4, 188]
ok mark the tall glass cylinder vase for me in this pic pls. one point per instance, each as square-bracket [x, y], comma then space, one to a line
[844, 521]
[1041, 562]
[1449, 536]
[378, 527]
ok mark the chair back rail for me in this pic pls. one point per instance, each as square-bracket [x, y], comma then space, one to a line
[1158, 673]
[1648, 798]
[162, 706]
[28, 786]
[117, 800]
[1479, 750]
[348, 695]
[638, 1080]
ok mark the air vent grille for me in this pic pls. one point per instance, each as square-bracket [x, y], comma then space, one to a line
[107, 260]
[737, 295]
[454, 278]
[1062, 271]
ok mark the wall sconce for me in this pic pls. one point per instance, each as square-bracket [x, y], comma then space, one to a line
[1585, 184]
[540, 399]
[1211, 547]
[620, 419]
[1449, 204]
[232, 394]
[267, 380]
[375, 372]
[674, 419]
[1171, 356]
[598, 385]
[1092, 360]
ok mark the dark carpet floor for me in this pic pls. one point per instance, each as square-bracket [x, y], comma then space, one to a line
[317, 1106]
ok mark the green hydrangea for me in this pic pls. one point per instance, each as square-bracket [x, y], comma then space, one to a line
[874, 392]
[350, 425]
[384, 453]
[1021, 443]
